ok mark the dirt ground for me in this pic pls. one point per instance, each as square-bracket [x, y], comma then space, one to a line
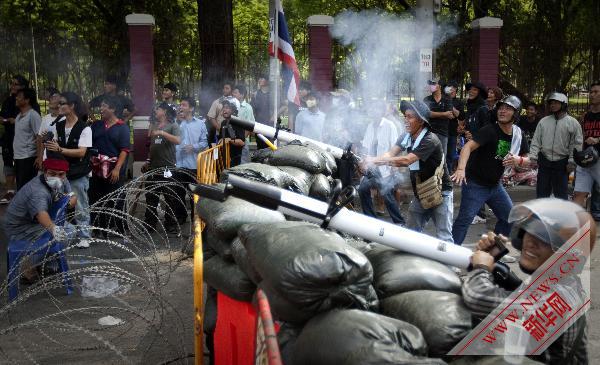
[158, 322]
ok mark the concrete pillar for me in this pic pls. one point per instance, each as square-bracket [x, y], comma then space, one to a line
[424, 16]
[486, 50]
[320, 47]
[141, 51]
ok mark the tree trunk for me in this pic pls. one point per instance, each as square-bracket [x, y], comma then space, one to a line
[215, 28]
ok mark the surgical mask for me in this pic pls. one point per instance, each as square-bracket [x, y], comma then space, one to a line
[448, 90]
[55, 183]
[311, 103]
[433, 88]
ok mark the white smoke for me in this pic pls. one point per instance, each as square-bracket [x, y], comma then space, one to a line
[384, 59]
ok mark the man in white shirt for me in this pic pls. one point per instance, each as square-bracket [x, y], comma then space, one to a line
[380, 136]
[310, 121]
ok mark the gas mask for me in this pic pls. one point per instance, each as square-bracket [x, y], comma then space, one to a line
[448, 90]
[55, 183]
[433, 88]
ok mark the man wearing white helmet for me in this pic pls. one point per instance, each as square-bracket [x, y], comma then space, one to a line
[481, 166]
[554, 140]
[539, 228]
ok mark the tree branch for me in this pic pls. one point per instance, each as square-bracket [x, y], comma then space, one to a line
[103, 9]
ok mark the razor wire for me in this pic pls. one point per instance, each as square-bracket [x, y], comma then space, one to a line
[44, 325]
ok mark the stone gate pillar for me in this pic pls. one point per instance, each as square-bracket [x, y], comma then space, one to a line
[141, 51]
[320, 47]
[486, 50]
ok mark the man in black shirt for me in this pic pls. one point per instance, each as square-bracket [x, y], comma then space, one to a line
[528, 122]
[441, 112]
[8, 115]
[424, 157]
[485, 154]
[125, 109]
[235, 136]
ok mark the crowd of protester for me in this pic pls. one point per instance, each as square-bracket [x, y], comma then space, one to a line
[479, 144]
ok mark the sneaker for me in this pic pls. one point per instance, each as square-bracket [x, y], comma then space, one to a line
[508, 259]
[83, 243]
[7, 197]
[478, 220]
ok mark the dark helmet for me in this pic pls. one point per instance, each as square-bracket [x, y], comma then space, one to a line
[586, 157]
[418, 107]
[553, 221]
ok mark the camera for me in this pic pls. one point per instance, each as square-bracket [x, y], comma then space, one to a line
[49, 136]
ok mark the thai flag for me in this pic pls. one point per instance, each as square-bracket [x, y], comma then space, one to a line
[290, 73]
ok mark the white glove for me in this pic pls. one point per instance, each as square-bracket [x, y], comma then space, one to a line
[59, 233]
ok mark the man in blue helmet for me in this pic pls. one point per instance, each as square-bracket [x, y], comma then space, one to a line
[428, 171]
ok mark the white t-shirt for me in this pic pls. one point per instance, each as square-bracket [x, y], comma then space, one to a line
[46, 120]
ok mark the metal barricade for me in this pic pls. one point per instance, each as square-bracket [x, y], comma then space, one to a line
[210, 163]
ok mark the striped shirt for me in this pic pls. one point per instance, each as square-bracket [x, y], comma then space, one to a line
[481, 295]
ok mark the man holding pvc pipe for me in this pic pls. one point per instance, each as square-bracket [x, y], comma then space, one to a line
[428, 171]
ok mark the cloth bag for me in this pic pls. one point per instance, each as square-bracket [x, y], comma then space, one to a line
[430, 190]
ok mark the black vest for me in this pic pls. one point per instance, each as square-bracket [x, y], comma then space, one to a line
[78, 167]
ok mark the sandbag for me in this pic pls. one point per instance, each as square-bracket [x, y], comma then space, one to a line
[282, 309]
[261, 155]
[258, 172]
[299, 156]
[240, 256]
[397, 272]
[218, 245]
[225, 218]
[320, 188]
[299, 180]
[492, 360]
[372, 300]
[286, 338]
[312, 268]
[358, 337]
[329, 159]
[442, 317]
[228, 278]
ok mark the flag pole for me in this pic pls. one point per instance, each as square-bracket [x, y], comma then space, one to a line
[275, 61]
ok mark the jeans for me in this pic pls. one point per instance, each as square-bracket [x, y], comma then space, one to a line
[105, 212]
[386, 187]
[441, 215]
[184, 177]
[24, 170]
[80, 187]
[472, 198]
[451, 152]
[444, 140]
[595, 202]
[155, 186]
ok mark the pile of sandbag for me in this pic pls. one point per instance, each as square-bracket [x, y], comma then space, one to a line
[337, 299]
[302, 168]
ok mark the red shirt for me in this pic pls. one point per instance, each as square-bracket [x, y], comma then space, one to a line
[591, 125]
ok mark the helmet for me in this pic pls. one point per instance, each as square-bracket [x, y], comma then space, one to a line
[513, 102]
[418, 107]
[586, 157]
[553, 221]
[560, 97]
[233, 103]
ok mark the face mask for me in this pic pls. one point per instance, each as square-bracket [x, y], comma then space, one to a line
[55, 183]
[448, 90]
[433, 88]
[311, 103]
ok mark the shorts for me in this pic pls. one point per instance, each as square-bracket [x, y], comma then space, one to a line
[585, 178]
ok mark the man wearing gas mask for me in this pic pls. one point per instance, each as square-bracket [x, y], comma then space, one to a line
[27, 215]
